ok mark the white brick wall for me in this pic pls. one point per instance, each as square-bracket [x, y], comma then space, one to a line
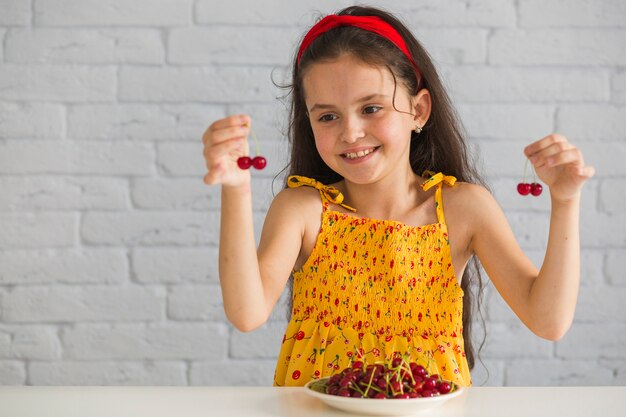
[108, 238]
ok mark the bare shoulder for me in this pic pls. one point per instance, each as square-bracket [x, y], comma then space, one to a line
[301, 198]
[469, 203]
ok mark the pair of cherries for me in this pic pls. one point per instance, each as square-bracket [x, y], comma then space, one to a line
[525, 188]
[258, 162]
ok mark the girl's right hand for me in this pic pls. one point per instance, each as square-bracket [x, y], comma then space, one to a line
[224, 142]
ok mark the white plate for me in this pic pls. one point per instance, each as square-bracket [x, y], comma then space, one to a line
[381, 407]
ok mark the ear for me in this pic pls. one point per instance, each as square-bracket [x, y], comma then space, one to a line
[422, 106]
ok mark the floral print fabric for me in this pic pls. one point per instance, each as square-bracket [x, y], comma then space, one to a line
[372, 289]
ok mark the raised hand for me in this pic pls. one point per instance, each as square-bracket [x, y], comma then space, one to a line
[560, 166]
[224, 142]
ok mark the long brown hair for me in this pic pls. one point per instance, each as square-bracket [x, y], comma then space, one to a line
[440, 147]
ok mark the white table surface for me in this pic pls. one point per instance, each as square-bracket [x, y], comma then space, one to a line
[294, 402]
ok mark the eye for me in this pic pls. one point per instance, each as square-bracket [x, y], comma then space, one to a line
[371, 109]
[327, 118]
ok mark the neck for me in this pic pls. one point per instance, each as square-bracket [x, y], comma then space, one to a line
[391, 198]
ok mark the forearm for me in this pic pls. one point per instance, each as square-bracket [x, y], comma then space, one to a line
[240, 279]
[554, 292]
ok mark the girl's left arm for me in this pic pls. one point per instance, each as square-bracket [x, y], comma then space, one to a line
[545, 300]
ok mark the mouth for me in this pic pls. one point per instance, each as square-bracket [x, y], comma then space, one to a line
[360, 154]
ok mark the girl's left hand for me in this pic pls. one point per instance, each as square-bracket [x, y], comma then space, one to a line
[560, 166]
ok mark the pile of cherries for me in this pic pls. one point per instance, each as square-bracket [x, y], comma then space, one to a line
[397, 379]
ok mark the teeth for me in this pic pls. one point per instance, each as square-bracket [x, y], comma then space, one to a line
[359, 154]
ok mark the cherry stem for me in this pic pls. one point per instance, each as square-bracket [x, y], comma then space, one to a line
[525, 168]
[256, 140]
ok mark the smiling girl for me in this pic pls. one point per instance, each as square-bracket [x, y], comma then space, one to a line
[378, 269]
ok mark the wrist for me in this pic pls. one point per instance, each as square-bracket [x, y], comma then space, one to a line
[570, 200]
[235, 190]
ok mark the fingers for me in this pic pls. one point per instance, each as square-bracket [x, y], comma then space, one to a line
[553, 150]
[232, 127]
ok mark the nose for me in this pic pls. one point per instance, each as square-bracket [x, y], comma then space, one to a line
[351, 130]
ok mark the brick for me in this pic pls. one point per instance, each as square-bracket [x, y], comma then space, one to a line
[603, 231]
[37, 230]
[291, 13]
[558, 47]
[567, 13]
[261, 343]
[451, 13]
[496, 85]
[615, 266]
[186, 159]
[155, 341]
[112, 13]
[619, 367]
[454, 46]
[150, 122]
[208, 85]
[175, 265]
[76, 304]
[593, 340]
[15, 13]
[232, 45]
[32, 121]
[191, 194]
[598, 121]
[29, 343]
[258, 372]
[196, 303]
[488, 373]
[282, 309]
[610, 298]
[12, 373]
[539, 372]
[511, 120]
[515, 340]
[70, 266]
[149, 228]
[48, 192]
[19, 157]
[57, 83]
[175, 194]
[2, 36]
[610, 199]
[618, 87]
[107, 373]
[84, 46]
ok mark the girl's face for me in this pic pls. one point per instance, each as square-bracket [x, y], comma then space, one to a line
[358, 132]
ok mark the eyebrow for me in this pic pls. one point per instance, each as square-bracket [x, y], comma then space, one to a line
[361, 100]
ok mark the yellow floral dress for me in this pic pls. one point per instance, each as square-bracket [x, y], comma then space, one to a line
[372, 289]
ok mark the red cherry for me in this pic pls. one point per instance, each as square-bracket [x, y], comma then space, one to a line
[536, 189]
[244, 162]
[259, 162]
[444, 387]
[523, 188]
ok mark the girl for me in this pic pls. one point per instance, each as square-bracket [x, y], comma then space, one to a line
[378, 269]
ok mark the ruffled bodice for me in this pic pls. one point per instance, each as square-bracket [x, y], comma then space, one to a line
[371, 289]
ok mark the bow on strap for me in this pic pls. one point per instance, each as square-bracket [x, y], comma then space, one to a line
[436, 179]
[328, 192]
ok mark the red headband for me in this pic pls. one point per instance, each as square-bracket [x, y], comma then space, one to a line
[370, 23]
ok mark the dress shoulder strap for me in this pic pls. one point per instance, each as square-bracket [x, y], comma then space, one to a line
[438, 179]
[328, 193]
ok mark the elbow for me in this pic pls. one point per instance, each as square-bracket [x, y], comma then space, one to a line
[554, 332]
[247, 324]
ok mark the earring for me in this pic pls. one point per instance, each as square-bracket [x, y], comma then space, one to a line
[418, 129]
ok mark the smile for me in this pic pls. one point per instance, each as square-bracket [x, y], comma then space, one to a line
[359, 154]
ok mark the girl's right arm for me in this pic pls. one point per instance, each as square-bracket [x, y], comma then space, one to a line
[251, 281]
